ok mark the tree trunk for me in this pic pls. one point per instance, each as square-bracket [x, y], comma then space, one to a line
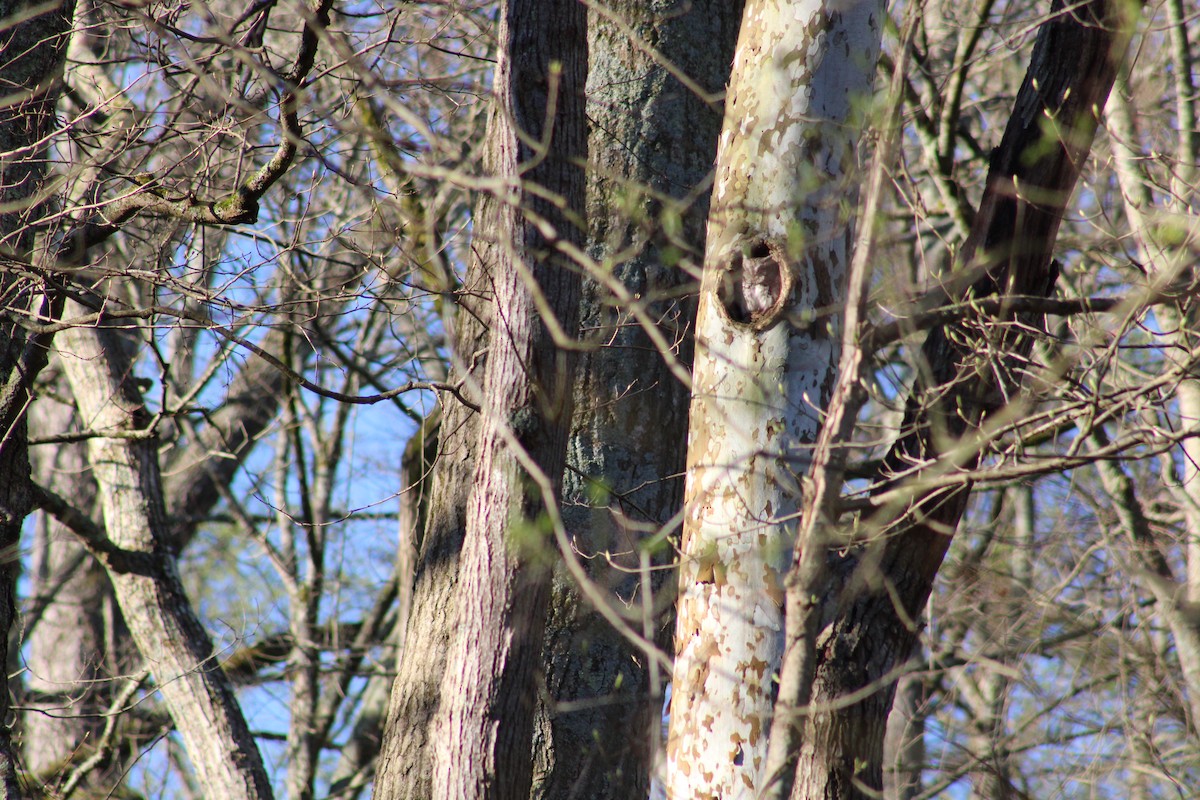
[142, 567]
[904, 741]
[766, 356]
[483, 731]
[404, 769]
[988, 693]
[33, 46]
[651, 148]
[966, 366]
[356, 762]
[198, 477]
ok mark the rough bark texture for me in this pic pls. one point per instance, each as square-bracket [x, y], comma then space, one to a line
[968, 369]
[483, 731]
[33, 45]
[766, 357]
[651, 150]
[404, 771]
[142, 567]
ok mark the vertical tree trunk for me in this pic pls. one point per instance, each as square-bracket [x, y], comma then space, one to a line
[33, 46]
[483, 731]
[766, 357]
[989, 700]
[404, 771]
[72, 624]
[1168, 264]
[651, 148]
[80, 617]
[904, 741]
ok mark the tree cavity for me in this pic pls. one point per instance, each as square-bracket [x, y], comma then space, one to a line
[755, 286]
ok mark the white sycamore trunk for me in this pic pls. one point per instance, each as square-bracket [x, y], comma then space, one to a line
[780, 228]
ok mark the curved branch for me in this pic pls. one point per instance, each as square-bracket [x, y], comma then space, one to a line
[240, 206]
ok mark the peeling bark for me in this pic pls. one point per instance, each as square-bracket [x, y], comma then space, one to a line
[766, 356]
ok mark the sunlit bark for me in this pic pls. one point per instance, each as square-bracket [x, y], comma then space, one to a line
[766, 354]
[142, 567]
[404, 768]
[483, 730]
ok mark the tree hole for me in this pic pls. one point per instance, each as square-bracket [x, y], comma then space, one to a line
[753, 287]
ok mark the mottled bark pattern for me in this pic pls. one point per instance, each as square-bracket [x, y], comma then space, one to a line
[1032, 175]
[483, 730]
[766, 357]
[651, 145]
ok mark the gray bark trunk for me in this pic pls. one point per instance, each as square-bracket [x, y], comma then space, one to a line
[76, 637]
[775, 262]
[652, 143]
[904, 741]
[403, 770]
[142, 567]
[1167, 263]
[483, 731]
